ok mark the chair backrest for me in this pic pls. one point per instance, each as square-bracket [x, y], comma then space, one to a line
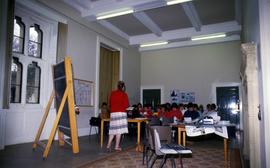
[157, 143]
[167, 121]
[164, 133]
[95, 121]
[153, 121]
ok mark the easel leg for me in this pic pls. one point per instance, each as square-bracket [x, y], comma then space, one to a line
[47, 110]
[101, 132]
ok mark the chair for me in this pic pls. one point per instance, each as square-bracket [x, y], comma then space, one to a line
[163, 136]
[94, 122]
[166, 150]
[167, 121]
[154, 121]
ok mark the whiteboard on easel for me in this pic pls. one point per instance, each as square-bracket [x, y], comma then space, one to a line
[84, 93]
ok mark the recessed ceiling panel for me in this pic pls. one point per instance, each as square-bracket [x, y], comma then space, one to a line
[169, 17]
[215, 11]
[129, 24]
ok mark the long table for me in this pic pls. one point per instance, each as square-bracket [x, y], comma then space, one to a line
[130, 120]
[182, 133]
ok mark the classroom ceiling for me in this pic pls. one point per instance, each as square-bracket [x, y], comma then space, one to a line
[154, 20]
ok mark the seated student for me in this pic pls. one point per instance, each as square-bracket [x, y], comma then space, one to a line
[140, 108]
[213, 113]
[182, 108]
[196, 108]
[174, 112]
[135, 112]
[147, 111]
[104, 111]
[159, 111]
[191, 113]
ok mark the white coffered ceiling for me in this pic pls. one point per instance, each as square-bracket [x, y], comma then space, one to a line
[153, 20]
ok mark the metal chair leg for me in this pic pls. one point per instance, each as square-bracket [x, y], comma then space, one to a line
[163, 161]
[181, 161]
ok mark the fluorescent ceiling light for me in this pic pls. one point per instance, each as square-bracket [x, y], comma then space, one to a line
[209, 36]
[118, 12]
[172, 2]
[154, 43]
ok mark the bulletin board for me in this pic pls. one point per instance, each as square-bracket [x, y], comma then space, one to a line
[84, 93]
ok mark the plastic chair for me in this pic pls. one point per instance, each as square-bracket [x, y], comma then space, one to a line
[94, 122]
[163, 136]
[167, 121]
[154, 121]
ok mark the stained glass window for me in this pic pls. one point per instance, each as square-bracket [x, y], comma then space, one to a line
[35, 41]
[18, 35]
[33, 83]
[16, 81]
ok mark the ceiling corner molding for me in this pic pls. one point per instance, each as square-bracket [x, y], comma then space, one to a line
[148, 22]
[192, 15]
[114, 29]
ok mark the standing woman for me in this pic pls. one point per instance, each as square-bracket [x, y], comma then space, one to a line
[118, 123]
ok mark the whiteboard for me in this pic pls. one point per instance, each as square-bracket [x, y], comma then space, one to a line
[84, 92]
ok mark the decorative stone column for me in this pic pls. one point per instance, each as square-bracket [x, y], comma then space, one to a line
[251, 123]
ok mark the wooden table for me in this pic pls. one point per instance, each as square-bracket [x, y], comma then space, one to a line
[182, 132]
[130, 120]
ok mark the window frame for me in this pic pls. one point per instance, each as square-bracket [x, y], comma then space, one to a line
[49, 51]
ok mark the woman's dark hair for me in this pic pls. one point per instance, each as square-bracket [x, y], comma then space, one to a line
[121, 85]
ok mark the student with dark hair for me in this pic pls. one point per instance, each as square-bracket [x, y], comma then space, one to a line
[147, 111]
[174, 112]
[191, 113]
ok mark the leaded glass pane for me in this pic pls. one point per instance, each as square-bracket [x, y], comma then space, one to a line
[33, 34]
[33, 83]
[18, 35]
[17, 45]
[16, 81]
[33, 49]
[35, 41]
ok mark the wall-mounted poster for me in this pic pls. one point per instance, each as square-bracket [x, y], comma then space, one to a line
[187, 97]
[84, 92]
[174, 96]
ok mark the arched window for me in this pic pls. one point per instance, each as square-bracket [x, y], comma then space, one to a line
[35, 41]
[16, 81]
[18, 35]
[33, 83]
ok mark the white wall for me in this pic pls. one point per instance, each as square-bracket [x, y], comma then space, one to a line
[21, 126]
[82, 46]
[192, 68]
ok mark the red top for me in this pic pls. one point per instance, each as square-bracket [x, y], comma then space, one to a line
[118, 101]
[174, 113]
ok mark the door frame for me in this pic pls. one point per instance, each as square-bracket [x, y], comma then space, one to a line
[112, 45]
[152, 87]
[229, 84]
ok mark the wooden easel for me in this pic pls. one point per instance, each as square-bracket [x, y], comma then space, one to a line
[67, 96]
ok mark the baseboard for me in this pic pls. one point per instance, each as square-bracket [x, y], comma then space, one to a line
[86, 131]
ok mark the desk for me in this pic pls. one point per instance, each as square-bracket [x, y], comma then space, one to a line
[182, 132]
[135, 120]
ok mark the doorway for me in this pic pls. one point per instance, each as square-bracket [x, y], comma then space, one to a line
[228, 103]
[152, 96]
[109, 72]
